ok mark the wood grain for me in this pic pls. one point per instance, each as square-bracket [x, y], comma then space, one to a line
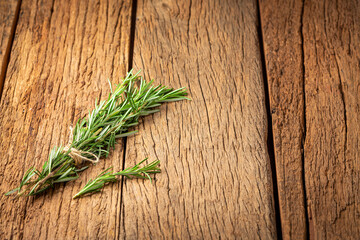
[216, 179]
[63, 53]
[8, 15]
[316, 41]
[283, 50]
[332, 85]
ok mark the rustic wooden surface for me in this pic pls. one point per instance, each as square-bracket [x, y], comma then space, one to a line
[213, 149]
[61, 57]
[217, 173]
[332, 92]
[281, 29]
[8, 16]
[312, 59]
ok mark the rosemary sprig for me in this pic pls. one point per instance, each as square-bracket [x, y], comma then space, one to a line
[95, 135]
[106, 176]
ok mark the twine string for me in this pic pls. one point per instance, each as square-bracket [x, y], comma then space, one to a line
[78, 155]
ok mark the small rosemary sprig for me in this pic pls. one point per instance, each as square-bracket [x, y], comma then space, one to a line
[94, 135]
[106, 176]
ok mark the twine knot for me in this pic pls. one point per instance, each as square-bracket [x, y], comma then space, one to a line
[79, 157]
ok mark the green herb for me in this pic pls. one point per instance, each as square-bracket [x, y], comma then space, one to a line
[108, 176]
[94, 135]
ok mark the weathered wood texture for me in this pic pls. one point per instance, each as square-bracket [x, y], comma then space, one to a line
[331, 32]
[63, 52]
[216, 180]
[281, 28]
[313, 65]
[8, 15]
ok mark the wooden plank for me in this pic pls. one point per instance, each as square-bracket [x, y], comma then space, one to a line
[216, 179]
[332, 84]
[281, 28]
[62, 55]
[8, 15]
[317, 41]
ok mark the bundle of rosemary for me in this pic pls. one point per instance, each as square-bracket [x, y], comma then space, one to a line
[94, 135]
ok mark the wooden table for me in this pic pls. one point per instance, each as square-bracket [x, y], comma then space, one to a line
[267, 148]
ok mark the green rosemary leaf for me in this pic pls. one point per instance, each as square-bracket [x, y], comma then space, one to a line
[65, 179]
[81, 169]
[28, 175]
[125, 134]
[12, 191]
